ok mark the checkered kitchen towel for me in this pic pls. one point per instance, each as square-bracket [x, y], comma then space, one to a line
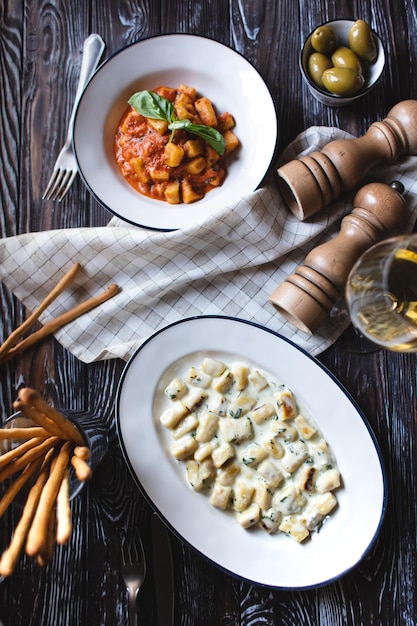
[228, 264]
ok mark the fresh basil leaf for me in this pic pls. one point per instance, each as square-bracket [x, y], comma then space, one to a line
[150, 104]
[209, 134]
[179, 125]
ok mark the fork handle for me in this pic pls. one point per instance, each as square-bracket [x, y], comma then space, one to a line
[92, 50]
[133, 609]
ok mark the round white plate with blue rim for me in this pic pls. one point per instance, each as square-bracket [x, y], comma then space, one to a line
[217, 72]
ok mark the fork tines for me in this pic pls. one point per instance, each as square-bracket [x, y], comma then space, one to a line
[130, 552]
[58, 185]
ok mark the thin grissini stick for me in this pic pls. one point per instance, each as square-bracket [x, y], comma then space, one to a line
[63, 284]
[40, 418]
[28, 457]
[38, 534]
[63, 512]
[83, 452]
[82, 470]
[32, 398]
[14, 453]
[53, 325]
[23, 433]
[47, 552]
[11, 555]
[17, 485]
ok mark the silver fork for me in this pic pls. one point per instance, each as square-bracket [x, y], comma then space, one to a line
[65, 168]
[133, 570]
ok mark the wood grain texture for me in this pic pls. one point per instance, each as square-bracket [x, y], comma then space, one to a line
[10, 97]
[40, 56]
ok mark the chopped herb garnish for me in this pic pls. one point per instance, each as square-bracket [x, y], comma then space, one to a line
[247, 460]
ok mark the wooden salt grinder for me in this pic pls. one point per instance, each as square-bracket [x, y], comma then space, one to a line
[307, 296]
[311, 182]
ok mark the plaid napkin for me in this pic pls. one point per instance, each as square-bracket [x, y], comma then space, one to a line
[228, 264]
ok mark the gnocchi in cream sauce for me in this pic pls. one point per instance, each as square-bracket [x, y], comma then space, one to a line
[249, 448]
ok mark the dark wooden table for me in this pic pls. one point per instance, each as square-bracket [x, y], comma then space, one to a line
[41, 44]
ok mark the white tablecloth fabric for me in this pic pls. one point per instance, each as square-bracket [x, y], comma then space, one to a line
[226, 265]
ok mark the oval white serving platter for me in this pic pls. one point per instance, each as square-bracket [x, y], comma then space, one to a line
[271, 560]
[217, 72]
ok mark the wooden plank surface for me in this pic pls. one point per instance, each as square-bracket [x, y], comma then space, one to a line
[41, 46]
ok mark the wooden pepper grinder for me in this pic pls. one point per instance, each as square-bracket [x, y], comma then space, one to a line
[311, 182]
[307, 296]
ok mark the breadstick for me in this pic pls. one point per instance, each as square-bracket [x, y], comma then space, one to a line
[65, 318]
[82, 469]
[40, 418]
[15, 336]
[63, 512]
[31, 397]
[23, 433]
[14, 453]
[11, 555]
[45, 555]
[38, 533]
[17, 485]
[83, 452]
[28, 457]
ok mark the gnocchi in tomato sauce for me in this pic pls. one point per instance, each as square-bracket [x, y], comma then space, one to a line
[177, 167]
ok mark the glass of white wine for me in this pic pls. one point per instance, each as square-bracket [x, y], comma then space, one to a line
[381, 294]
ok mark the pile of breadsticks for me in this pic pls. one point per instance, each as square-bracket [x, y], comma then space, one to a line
[16, 342]
[41, 461]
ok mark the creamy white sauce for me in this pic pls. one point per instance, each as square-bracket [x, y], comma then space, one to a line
[247, 444]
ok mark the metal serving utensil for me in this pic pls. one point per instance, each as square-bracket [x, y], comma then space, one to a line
[133, 570]
[65, 168]
[163, 571]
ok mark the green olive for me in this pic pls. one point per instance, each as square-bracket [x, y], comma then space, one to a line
[345, 57]
[324, 39]
[317, 64]
[362, 41]
[342, 81]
